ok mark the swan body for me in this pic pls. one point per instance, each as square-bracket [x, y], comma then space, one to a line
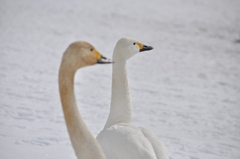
[78, 55]
[120, 139]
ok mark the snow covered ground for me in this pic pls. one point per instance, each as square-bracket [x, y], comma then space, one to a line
[186, 90]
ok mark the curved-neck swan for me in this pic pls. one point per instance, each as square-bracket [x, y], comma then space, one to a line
[78, 55]
[120, 139]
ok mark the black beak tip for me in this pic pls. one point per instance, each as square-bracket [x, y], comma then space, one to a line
[104, 60]
[146, 48]
[150, 47]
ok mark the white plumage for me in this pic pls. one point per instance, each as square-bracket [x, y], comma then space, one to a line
[120, 139]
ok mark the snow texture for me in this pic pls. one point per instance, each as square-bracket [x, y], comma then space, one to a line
[186, 90]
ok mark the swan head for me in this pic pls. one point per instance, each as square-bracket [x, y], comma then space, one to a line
[126, 48]
[80, 54]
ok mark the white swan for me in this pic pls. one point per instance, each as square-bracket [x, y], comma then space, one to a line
[77, 55]
[120, 139]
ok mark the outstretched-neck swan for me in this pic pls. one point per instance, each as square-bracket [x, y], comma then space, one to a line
[120, 139]
[78, 55]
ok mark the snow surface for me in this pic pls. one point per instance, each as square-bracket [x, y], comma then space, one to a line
[186, 90]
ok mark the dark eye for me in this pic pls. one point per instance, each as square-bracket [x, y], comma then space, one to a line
[134, 43]
[91, 49]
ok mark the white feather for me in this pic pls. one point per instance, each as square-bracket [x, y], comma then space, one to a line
[120, 139]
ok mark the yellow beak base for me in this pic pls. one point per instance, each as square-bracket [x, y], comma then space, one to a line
[98, 55]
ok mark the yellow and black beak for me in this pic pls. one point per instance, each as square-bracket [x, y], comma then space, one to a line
[144, 47]
[101, 59]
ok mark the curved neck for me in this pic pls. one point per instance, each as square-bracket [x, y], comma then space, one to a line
[120, 111]
[83, 142]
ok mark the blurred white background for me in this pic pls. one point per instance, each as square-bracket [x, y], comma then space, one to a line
[186, 90]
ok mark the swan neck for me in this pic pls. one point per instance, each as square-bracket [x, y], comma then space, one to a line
[120, 111]
[83, 142]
